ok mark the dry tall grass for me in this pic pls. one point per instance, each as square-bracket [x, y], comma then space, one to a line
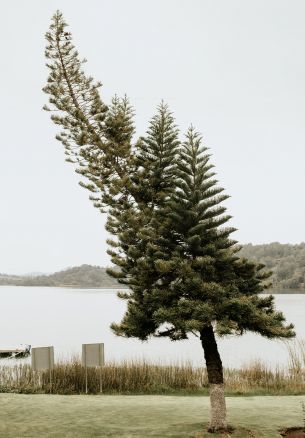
[147, 378]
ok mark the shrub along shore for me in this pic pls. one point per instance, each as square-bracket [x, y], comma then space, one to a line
[146, 378]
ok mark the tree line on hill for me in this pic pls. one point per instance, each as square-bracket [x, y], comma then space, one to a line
[286, 261]
[84, 276]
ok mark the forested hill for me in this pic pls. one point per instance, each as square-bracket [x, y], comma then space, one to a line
[286, 261]
[85, 276]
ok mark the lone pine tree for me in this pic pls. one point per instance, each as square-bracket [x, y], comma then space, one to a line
[165, 212]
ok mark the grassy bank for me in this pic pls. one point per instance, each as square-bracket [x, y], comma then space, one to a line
[140, 416]
[145, 378]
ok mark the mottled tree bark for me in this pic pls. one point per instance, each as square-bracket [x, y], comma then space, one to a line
[218, 420]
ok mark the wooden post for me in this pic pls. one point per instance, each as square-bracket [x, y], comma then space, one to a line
[86, 378]
[50, 371]
[101, 382]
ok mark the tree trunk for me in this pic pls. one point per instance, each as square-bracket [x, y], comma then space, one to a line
[218, 420]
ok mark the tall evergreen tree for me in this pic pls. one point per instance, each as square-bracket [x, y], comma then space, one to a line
[166, 215]
[202, 287]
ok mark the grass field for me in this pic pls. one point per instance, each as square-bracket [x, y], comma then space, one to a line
[79, 416]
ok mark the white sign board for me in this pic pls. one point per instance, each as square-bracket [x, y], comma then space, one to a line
[42, 358]
[93, 355]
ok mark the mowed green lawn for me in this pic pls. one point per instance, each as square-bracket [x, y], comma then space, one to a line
[140, 416]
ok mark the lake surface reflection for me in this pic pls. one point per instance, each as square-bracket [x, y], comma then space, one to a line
[66, 318]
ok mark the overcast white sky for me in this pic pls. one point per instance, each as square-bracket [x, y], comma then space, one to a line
[235, 69]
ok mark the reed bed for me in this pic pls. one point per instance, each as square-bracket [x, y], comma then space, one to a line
[113, 378]
[140, 377]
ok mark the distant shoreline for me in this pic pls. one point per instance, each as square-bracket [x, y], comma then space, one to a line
[268, 292]
[65, 286]
[285, 261]
[79, 277]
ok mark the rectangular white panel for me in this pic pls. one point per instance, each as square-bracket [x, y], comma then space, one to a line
[42, 358]
[93, 355]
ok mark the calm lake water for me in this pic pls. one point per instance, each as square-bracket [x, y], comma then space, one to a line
[66, 318]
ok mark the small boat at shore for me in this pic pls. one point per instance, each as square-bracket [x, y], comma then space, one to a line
[19, 352]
